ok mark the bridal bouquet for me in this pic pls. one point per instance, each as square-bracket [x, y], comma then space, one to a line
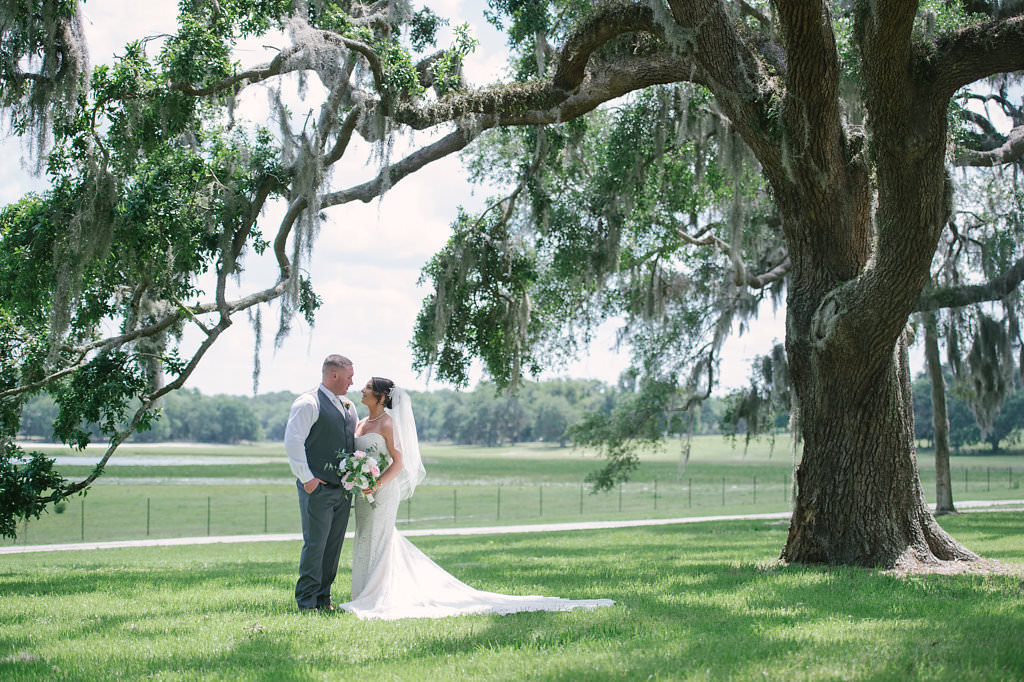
[358, 470]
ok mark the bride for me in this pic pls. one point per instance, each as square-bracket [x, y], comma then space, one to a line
[391, 578]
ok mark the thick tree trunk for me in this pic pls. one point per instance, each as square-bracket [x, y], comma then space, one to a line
[860, 500]
[940, 420]
[862, 217]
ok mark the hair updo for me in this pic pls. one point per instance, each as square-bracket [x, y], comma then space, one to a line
[381, 388]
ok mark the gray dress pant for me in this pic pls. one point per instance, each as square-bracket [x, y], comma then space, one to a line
[324, 520]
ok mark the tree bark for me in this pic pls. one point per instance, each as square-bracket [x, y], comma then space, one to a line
[859, 497]
[856, 279]
[940, 419]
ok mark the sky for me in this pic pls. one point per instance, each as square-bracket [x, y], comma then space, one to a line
[368, 257]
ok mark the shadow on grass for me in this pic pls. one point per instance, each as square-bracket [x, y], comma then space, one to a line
[691, 601]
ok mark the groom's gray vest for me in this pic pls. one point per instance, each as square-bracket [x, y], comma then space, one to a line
[332, 431]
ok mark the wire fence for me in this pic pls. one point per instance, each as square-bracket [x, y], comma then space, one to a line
[117, 513]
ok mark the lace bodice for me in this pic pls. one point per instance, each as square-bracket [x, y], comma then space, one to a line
[373, 444]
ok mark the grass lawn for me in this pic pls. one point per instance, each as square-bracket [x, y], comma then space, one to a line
[465, 486]
[698, 601]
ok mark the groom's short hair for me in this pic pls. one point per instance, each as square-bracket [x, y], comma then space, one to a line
[335, 361]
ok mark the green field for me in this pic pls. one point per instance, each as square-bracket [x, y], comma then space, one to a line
[703, 601]
[465, 486]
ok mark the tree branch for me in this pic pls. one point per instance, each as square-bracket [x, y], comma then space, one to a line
[975, 52]
[1010, 151]
[957, 297]
[750, 11]
[372, 59]
[741, 276]
[390, 175]
[977, 119]
[147, 404]
[28, 388]
[344, 137]
[597, 29]
[704, 34]
[812, 82]
[770, 277]
[254, 75]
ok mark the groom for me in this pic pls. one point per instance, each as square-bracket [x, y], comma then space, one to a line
[322, 422]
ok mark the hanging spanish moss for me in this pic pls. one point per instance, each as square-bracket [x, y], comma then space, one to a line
[796, 440]
[256, 320]
[51, 83]
[1010, 304]
[300, 151]
[954, 355]
[687, 442]
[991, 371]
[86, 239]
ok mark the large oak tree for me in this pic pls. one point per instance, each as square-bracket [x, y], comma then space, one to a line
[860, 208]
[859, 184]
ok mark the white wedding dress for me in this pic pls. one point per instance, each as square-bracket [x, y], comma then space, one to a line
[392, 579]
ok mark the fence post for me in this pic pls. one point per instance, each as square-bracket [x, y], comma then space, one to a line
[965, 479]
[147, 517]
[620, 496]
[988, 477]
[408, 510]
[689, 493]
[755, 489]
[723, 491]
[455, 504]
[655, 494]
[266, 514]
[83, 519]
[208, 508]
[581, 500]
[540, 495]
[1009, 477]
[499, 501]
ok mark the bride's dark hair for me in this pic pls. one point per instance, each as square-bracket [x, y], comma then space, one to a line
[381, 388]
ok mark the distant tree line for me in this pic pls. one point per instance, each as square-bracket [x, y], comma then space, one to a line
[541, 411]
[187, 415]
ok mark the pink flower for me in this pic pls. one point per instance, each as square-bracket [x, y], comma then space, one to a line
[359, 454]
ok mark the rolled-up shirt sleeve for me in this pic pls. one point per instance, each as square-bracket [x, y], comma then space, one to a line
[303, 415]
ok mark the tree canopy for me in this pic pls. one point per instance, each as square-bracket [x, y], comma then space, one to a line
[787, 148]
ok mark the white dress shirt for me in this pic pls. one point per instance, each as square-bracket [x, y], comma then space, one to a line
[305, 411]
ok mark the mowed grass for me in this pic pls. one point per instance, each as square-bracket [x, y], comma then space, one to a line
[254, 492]
[694, 601]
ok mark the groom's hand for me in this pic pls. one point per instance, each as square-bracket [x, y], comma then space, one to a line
[311, 485]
